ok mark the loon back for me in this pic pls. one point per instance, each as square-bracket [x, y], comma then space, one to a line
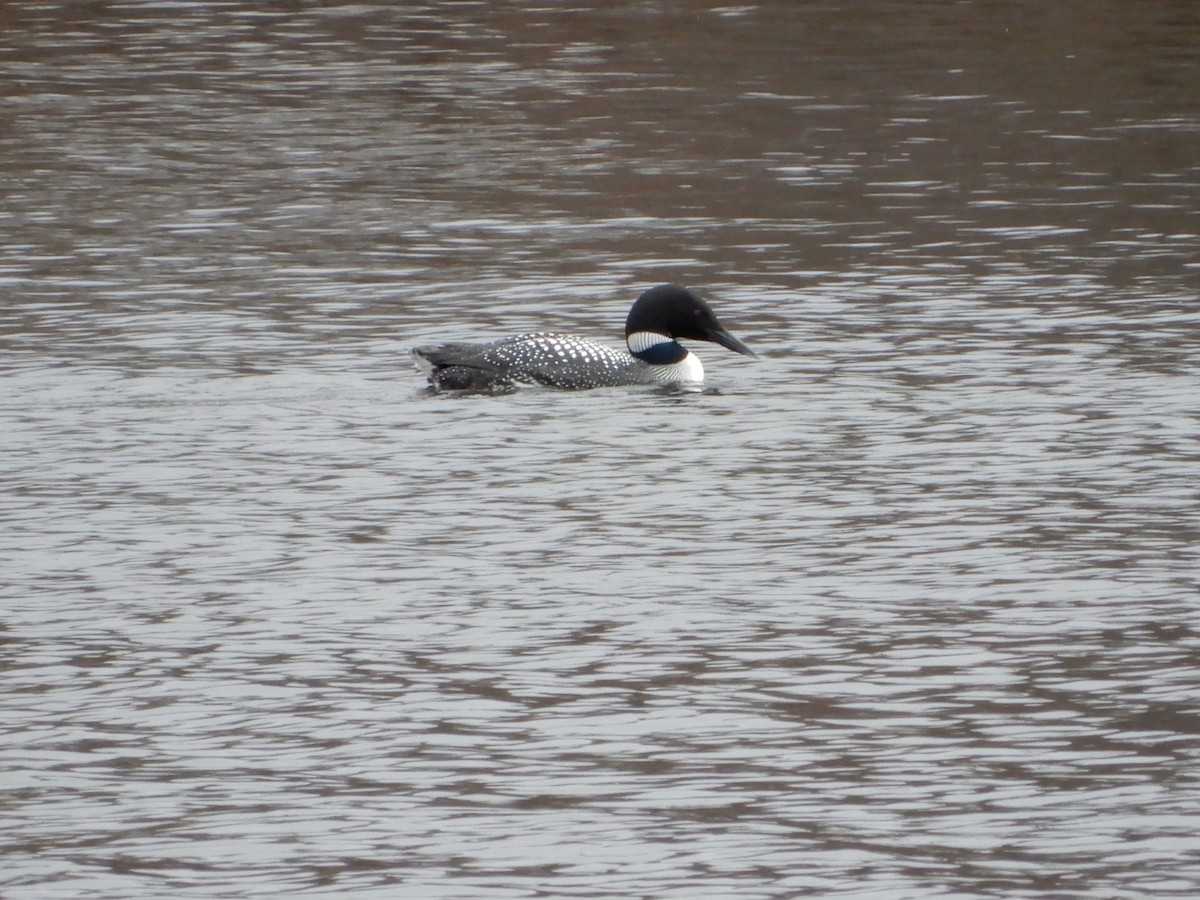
[654, 356]
[552, 360]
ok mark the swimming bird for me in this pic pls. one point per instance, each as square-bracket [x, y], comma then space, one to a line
[654, 356]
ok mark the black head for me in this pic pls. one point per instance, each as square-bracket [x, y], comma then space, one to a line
[678, 313]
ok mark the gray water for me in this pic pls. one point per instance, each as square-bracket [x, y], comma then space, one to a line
[906, 608]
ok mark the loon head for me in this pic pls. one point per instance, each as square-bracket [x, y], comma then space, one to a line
[667, 312]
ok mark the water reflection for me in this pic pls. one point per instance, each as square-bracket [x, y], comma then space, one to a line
[907, 608]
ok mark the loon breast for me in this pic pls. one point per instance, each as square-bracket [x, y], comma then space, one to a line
[553, 360]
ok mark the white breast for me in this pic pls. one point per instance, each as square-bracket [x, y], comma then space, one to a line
[688, 370]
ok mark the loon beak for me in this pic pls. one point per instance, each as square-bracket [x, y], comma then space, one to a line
[725, 339]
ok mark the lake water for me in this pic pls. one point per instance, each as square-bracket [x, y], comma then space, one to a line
[906, 608]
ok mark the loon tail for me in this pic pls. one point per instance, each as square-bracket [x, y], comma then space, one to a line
[459, 367]
[438, 355]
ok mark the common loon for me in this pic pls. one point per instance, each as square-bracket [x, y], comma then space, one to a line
[657, 318]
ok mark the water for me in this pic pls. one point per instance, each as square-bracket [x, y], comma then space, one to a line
[905, 609]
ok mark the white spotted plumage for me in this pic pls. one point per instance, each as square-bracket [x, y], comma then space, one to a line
[563, 360]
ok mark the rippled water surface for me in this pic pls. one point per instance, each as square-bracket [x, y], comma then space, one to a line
[907, 608]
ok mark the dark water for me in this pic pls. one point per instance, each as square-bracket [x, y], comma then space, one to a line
[905, 609]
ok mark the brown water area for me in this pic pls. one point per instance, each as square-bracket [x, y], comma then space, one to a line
[905, 608]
